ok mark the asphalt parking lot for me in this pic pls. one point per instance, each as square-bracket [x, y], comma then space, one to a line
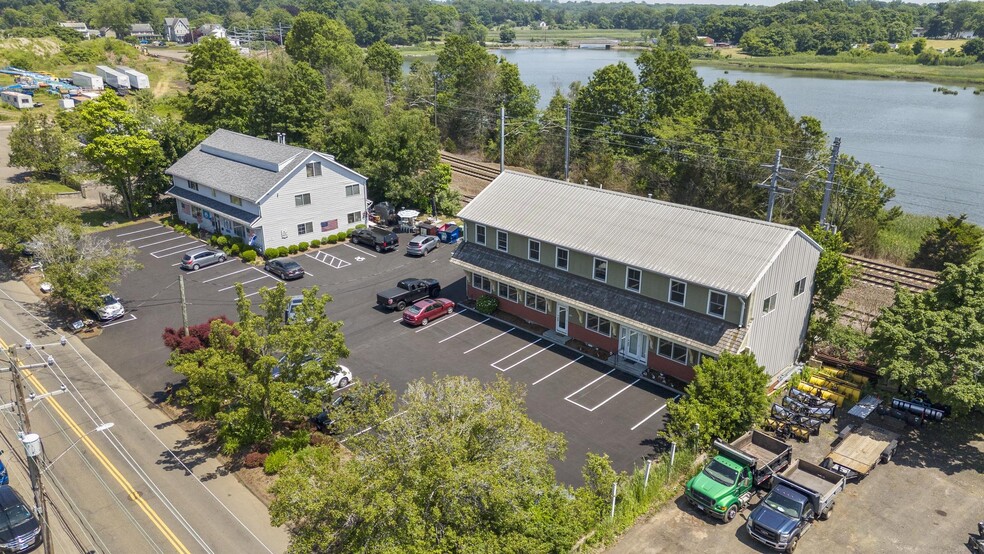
[598, 409]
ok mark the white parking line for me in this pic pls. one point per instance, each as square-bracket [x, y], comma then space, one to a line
[511, 329]
[361, 250]
[166, 232]
[172, 249]
[243, 283]
[398, 320]
[329, 260]
[549, 346]
[493, 364]
[226, 275]
[463, 330]
[118, 321]
[558, 369]
[627, 387]
[156, 227]
[179, 237]
[367, 429]
[651, 415]
[431, 326]
[568, 397]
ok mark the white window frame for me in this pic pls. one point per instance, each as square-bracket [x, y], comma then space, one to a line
[303, 199]
[724, 309]
[529, 250]
[567, 259]
[313, 169]
[594, 270]
[193, 185]
[599, 323]
[481, 282]
[628, 270]
[352, 190]
[481, 234]
[675, 353]
[354, 217]
[302, 228]
[669, 296]
[799, 287]
[235, 200]
[769, 304]
[535, 301]
[511, 293]
[500, 234]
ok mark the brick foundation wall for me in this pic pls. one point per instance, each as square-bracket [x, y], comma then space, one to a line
[669, 367]
[528, 314]
[590, 337]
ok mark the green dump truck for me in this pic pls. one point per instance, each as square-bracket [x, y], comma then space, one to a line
[728, 482]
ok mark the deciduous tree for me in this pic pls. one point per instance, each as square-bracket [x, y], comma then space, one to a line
[324, 44]
[726, 397]
[38, 143]
[953, 241]
[26, 212]
[933, 340]
[461, 468]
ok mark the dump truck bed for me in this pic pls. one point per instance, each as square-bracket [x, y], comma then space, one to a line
[760, 446]
[861, 450]
[812, 480]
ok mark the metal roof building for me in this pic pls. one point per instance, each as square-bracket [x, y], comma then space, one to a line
[680, 282]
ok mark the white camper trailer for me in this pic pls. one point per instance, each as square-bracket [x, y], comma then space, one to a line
[87, 80]
[18, 100]
[113, 78]
[138, 80]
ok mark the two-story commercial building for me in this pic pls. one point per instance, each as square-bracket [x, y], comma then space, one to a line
[267, 193]
[658, 285]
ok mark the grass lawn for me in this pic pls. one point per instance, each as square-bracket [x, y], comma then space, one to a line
[53, 187]
[94, 219]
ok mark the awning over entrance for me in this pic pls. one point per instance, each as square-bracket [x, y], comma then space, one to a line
[213, 205]
[660, 319]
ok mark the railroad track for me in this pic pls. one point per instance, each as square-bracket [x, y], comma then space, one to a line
[888, 275]
[470, 168]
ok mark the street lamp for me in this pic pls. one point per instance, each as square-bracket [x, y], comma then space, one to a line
[34, 451]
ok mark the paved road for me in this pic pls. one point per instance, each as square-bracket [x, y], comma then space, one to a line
[598, 410]
[142, 486]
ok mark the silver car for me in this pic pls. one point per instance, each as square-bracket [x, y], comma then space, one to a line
[420, 245]
[200, 258]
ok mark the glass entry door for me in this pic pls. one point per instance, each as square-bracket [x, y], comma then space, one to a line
[561, 327]
[632, 344]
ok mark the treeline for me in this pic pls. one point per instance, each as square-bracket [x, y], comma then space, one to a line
[828, 26]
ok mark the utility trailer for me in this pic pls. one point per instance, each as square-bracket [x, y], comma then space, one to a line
[137, 79]
[861, 445]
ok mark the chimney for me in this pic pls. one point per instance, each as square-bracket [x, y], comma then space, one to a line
[281, 138]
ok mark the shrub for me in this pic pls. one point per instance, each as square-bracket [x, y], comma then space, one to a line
[292, 442]
[487, 304]
[193, 228]
[292, 249]
[341, 236]
[276, 461]
[315, 243]
[282, 251]
[234, 250]
[249, 256]
[254, 460]
[359, 226]
[332, 240]
[222, 240]
[303, 246]
[227, 249]
[271, 253]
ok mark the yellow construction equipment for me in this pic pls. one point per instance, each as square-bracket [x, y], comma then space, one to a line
[858, 380]
[835, 385]
[832, 396]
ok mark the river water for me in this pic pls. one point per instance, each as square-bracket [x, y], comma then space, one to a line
[928, 146]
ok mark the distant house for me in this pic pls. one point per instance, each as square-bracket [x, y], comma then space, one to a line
[106, 32]
[919, 32]
[80, 27]
[213, 30]
[143, 31]
[177, 29]
[267, 193]
[964, 34]
[543, 25]
[705, 41]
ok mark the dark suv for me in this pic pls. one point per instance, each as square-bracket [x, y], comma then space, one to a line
[19, 529]
[379, 238]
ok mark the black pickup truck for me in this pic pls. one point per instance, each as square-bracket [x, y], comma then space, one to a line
[379, 238]
[407, 292]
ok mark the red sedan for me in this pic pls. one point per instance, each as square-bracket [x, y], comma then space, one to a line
[427, 310]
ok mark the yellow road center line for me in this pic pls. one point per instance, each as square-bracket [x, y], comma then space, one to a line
[95, 451]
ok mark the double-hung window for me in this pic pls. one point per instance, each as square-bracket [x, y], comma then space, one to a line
[678, 292]
[717, 303]
[534, 250]
[305, 228]
[502, 241]
[314, 169]
[633, 279]
[480, 234]
[355, 217]
[302, 199]
[563, 256]
[352, 190]
[192, 185]
[799, 287]
[769, 304]
[600, 270]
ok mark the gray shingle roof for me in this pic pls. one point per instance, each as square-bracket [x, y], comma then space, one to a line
[716, 250]
[703, 332]
[141, 28]
[171, 21]
[237, 164]
[213, 204]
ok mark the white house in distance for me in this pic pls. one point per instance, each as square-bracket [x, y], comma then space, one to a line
[267, 193]
[176, 29]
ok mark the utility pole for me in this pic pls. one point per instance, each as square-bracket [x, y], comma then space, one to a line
[829, 186]
[773, 185]
[184, 304]
[502, 138]
[567, 142]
